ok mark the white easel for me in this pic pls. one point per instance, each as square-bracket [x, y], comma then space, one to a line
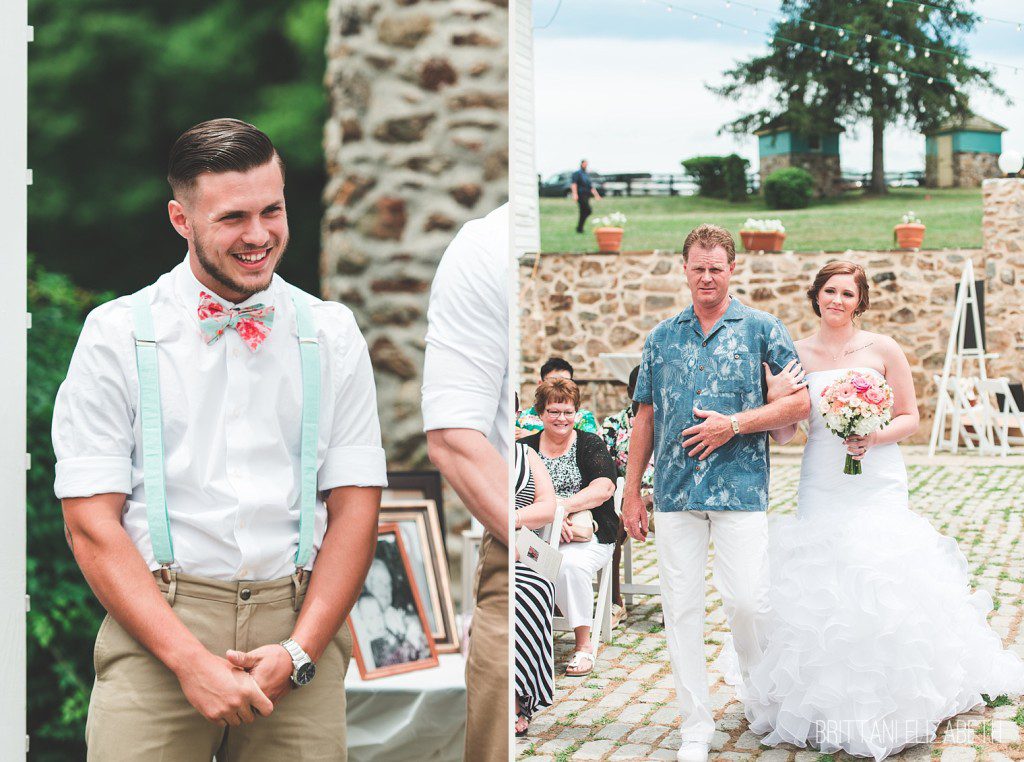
[960, 401]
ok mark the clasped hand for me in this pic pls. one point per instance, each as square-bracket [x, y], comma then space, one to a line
[233, 691]
[708, 436]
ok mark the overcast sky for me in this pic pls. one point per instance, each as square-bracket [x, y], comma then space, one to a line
[622, 83]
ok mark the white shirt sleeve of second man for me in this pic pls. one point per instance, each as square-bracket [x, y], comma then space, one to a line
[467, 340]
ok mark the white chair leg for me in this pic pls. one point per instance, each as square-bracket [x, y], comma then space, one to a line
[627, 568]
[602, 626]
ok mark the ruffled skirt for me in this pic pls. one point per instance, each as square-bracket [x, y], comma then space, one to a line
[875, 635]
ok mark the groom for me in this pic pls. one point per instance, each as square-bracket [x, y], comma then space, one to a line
[702, 413]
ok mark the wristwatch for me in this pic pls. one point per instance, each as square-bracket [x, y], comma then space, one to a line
[304, 670]
[735, 424]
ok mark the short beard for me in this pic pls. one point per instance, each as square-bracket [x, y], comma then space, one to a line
[216, 272]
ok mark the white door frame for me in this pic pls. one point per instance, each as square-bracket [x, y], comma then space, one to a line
[14, 36]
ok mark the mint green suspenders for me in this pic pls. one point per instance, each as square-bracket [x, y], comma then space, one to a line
[152, 425]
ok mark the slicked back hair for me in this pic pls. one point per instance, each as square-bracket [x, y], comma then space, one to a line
[217, 145]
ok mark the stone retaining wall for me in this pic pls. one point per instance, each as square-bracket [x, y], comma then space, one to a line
[580, 305]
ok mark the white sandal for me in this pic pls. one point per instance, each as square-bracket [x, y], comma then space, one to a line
[575, 669]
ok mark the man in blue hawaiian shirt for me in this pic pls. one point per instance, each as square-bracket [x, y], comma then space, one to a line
[703, 414]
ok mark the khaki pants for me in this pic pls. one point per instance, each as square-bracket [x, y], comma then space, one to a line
[487, 709]
[138, 711]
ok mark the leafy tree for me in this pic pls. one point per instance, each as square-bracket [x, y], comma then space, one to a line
[65, 615]
[112, 83]
[813, 93]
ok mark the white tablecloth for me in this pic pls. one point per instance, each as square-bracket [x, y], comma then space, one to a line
[412, 716]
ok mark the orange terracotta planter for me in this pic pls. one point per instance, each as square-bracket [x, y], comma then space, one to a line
[609, 239]
[762, 240]
[909, 236]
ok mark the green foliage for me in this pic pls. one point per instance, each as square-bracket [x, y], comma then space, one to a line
[813, 94]
[65, 614]
[789, 188]
[112, 83]
[719, 176]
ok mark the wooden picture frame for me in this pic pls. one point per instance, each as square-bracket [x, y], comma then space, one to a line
[419, 522]
[416, 485]
[390, 633]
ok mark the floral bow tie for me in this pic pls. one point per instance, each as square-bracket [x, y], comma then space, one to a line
[252, 323]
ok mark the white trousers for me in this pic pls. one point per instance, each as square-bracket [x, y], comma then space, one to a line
[741, 576]
[574, 588]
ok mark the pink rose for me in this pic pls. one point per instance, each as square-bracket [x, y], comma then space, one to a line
[861, 384]
[874, 396]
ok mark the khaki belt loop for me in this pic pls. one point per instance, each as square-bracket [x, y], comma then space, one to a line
[297, 579]
[171, 578]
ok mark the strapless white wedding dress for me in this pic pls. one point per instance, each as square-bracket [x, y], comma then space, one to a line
[875, 636]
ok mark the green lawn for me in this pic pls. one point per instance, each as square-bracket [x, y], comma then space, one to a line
[855, 221]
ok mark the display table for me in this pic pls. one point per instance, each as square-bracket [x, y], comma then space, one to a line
[415, 715]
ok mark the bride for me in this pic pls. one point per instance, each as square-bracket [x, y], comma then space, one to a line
[875, 636]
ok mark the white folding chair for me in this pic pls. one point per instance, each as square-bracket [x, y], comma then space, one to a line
[1000, 419]
[601, 627]
[628, 588]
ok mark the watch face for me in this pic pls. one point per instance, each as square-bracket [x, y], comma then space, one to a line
[305, 673]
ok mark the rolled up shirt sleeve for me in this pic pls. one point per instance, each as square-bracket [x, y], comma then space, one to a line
[354, 456]
[467, 341]
[93, 414]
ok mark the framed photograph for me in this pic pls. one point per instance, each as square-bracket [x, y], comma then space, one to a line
[389, 625]
[419, 524]
[416, 485]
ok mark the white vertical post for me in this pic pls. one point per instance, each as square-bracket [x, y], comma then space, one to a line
[14, 39]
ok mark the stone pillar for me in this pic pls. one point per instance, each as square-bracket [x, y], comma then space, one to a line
[416, 144]
[1002, 227]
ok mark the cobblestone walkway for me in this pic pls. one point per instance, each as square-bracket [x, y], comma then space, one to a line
[626, 709]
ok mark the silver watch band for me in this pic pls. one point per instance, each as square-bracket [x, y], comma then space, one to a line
[299, 656]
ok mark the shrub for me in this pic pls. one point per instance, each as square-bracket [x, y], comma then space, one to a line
[719, 176]
[65, 615]
[789, 188]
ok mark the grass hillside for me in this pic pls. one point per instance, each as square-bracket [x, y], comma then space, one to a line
[854, 221]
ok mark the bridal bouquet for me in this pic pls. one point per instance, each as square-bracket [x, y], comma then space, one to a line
[856, 405]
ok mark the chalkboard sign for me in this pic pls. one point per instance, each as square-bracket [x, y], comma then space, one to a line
[970, 341]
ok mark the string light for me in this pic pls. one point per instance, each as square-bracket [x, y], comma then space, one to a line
[811, 27]
[931, 80]
[824, 53]
[898, 47]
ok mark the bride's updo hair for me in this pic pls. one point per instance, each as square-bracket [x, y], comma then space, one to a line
[840, 268]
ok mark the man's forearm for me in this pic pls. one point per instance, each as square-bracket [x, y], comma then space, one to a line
[123, 583]
[477, 472]
[641, 446]
[775, 415]
[340, 566]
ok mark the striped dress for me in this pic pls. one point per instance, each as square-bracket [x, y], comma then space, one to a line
[535, 609]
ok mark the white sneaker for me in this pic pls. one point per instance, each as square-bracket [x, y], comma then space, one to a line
[692, 751]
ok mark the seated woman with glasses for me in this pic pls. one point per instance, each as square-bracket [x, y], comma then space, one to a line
[583, 474]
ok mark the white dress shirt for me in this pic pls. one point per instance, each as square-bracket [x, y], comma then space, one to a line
[466, 371]
[231, 427]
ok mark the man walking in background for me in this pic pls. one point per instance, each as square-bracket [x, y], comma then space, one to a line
[467, 415]
[582, 189]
